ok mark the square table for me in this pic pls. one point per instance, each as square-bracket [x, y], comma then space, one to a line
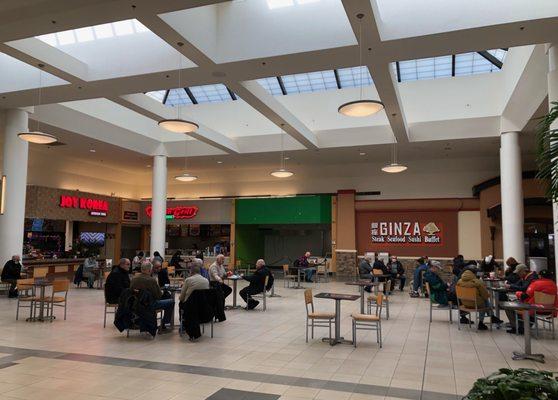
[524, 308]
[338, 297]
[234, 279]
[41, 284]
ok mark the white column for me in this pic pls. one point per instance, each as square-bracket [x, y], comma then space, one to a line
[512, 196]
[553, 96]
[14, 167]
[68, 242]
[159, 204]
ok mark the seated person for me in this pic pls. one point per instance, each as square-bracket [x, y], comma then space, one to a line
[117, 281]
[257, 282]
[397, 271]
[146, 282]
[137, 261]
[525, 278]
[365, 268]
[217, 275]
[175, 260]
[509, 274]
[458, 265]
[543, 284]
[380, 268]
[162, 273]
[417, 275]
[10, 274]
[488, 265]
[438, 287]
[90, 270]
[469, 280]
[194, 282]
[304, 263]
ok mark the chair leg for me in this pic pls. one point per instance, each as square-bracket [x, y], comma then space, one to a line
[17, 310]
[312, 329]
[212, 329]
[330, 330]
[458, 320]
[306, 329]
[380, 332]
[430, 311]
[354, 334]
[387, 309]
[65, 305]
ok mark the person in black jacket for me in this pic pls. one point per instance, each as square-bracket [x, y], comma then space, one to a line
[162, 273]
[525, 278]
[257, 284]
[397, 271]
[117, 281]
[11, 273]
[458, 265]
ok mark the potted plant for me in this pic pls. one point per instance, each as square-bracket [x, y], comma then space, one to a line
[515, 384]
[547, 138]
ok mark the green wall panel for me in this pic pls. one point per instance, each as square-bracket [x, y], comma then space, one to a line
[284, 210]
[249, 244]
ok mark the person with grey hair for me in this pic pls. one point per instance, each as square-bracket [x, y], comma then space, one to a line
[144, 281]
[117, 281]
[194, 282]
[257, 284]
[162, 273]
[11, 273]
[217, 275]
[365, 267]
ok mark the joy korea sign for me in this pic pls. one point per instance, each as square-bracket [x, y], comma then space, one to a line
[406, 233]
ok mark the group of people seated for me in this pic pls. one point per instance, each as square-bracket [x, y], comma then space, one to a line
[518, 279]
[393, 271]
[154, 279]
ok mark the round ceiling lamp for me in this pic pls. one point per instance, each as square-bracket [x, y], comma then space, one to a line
[394, 168]
[37, 137]
[282, 173]
[361, 107]
[178, 125]
[185, 177]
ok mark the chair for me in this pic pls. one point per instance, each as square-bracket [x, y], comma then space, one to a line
[450, 304]
[367, 322]
[546, 299]
[263, 295]
[25, 295]
[108, 306]
[58, 287]
[322, 273]
[171, 270]
[40, 272]
[288, 277]
[372, 299]
[316, 319]
[470, 295]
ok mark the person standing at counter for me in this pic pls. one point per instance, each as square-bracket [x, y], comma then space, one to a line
[90, 265]
[11, 273]
[217, 275]
[117, 281]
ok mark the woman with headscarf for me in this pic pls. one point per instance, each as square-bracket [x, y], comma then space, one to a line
[488, 265]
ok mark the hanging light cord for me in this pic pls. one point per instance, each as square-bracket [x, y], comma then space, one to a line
[179, 81]
[185, 155]
[282, 152]
[40, 91]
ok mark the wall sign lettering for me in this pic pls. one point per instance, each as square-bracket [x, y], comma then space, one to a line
[84, 203]
[406, 233]
[176, 212]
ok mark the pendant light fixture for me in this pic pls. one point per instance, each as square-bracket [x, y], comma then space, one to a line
[178, 125]
[37, 136]
[394, 167]
[185, 177]
[282, 172]
[361, 107]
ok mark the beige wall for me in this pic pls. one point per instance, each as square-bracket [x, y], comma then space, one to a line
[345, 221]
[468, 234]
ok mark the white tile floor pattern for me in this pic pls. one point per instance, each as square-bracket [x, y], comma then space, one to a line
[254, 352]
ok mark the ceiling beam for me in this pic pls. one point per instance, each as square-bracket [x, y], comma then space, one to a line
[151, 108]
[380, 70]
[490, 58]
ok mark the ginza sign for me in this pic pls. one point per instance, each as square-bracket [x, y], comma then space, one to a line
[406, 233]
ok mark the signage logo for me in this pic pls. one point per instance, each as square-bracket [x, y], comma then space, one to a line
[176, 212]
[84, 203]
[406, 233]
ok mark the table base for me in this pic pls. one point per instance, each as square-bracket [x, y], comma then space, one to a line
[40, 319]
[522, 356]
[334, 341]
[233, 307]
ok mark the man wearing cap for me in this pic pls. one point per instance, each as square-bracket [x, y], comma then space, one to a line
[525, 279]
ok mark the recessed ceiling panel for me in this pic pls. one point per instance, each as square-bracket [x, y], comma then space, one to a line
[28, 77]
[117, 49]
[239, 30]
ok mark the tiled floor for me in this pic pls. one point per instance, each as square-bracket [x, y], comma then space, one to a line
[256, 352]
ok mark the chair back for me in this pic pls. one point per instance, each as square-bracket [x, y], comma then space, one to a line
[171, 270]
[308, 300]
[321, 269]
[60, 286]
[266, 281]
[544, 298]
[377, 272]
[40, 272]
[379, 304]
[468, 294]
[387, 285]
[25, 284]
[165, 264]
[285, 269]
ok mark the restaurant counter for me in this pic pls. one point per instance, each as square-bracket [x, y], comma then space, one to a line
[55, 268]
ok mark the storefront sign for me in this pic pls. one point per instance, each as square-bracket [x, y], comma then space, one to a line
[84, 203]
[130, 216]
[97, 213]
[406, 233]
[176, 212]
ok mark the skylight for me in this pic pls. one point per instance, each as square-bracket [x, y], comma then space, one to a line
[90, 33]
[272, 4]
[447, 66]
[317, 81]
[217, 93]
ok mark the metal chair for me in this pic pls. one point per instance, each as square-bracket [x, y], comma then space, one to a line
[470, 295]
[322, 273]
[58, 287]
[432, 308]
[367, 322]
[288, 277]
[372, 299]
[26, 295]
[316, 319]
[545, 299]
[263, 294]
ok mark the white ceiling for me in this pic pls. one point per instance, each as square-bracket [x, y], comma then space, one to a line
[94, 84]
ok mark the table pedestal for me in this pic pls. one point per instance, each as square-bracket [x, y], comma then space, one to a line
[234, 306]
[337, 339]
[527, 355]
